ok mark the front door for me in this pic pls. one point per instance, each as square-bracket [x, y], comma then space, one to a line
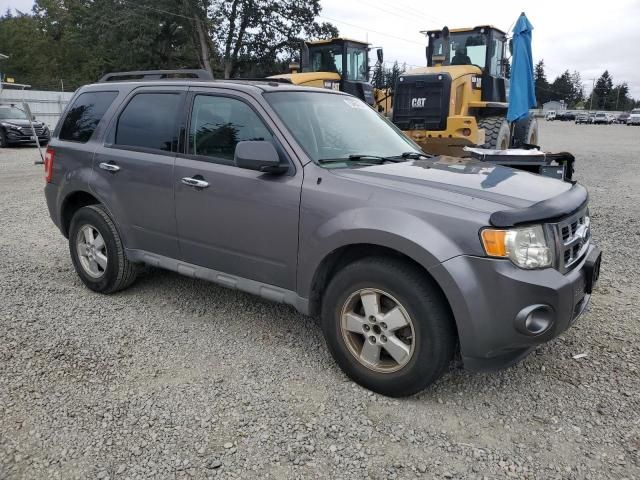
[134, 169]
[237, 221]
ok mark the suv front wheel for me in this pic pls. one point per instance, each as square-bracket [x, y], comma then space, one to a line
[388, 326]
[97, 251]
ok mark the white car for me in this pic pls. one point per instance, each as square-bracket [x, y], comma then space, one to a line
[550, 115]
[634, 118]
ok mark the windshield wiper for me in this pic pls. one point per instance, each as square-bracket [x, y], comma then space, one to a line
[356, 157]
[414, 155]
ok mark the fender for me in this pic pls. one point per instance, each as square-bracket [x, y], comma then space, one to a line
[393, 229]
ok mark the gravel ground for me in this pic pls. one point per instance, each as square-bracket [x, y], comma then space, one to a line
[178, 378]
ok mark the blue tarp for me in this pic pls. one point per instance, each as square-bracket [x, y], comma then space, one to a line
[522, 90]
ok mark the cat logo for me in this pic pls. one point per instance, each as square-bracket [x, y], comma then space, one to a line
[418, 102]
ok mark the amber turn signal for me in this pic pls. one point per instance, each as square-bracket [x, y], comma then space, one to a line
[493, 242]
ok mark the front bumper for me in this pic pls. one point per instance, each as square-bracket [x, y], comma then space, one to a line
[487, 297]
[14, 136]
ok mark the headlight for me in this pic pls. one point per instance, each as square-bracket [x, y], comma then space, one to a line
[526, 247]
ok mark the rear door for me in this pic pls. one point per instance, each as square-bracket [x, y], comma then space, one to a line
[243, 222]
[134, 168]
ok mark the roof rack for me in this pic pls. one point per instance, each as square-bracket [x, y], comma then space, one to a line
[150, 75]
[263, 79]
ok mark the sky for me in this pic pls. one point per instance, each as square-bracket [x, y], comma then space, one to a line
[568, 34]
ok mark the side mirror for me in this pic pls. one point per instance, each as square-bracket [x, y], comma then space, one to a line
[258, 155]
[380, 55]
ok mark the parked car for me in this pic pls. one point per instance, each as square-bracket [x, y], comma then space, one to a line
[550, 115]
[601, 118]
[634, 117]
[15, 128]
[309, 197]
[623, 117]
[582, 118]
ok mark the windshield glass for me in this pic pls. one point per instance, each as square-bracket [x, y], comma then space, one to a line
[326, 59]
[331, 126]
[12, 113]
[356, 64]
[467, 48]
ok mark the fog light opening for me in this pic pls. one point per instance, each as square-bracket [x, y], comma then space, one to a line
[534, 320]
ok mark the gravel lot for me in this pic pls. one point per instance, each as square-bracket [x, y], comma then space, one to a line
[178, 378]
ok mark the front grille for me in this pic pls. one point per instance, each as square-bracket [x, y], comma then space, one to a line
[29, 131]
[574, 235]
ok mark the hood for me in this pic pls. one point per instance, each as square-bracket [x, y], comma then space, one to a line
[453, 179]
[21, 122]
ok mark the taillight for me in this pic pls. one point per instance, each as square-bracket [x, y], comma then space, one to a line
[48, 165]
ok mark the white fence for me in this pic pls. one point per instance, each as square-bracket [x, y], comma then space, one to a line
[46, 106]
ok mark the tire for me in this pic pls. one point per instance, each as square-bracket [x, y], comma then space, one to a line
[496, 131]
[113, 271]
[525, 132]
[3, 139]
[429, 336]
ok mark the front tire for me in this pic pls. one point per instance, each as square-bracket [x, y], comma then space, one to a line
[97, 251]
[497, 134]
[388, 326]
[3, 139]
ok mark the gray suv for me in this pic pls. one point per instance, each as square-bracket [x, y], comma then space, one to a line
[308, 197]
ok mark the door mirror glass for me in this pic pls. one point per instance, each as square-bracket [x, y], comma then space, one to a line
[380, 55]
[258, 155]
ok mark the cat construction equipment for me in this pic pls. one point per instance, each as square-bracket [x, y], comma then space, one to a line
[460, 98]
[339, 64]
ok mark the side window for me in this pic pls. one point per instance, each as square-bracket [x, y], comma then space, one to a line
[149, 121]
[219, 123]
[84, 115]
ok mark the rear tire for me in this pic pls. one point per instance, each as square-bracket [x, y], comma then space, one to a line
[525, 131]
[97, 251]
[497, 134]
[3, 139]
[409, 319]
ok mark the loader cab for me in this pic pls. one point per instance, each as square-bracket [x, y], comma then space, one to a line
[348, 58]
[482, 46]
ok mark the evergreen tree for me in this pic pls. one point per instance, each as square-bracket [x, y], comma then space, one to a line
[543, 91]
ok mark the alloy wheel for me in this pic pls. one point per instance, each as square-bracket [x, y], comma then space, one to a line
[377, 330]
[92, 251]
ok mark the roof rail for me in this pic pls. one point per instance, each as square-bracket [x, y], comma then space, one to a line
[150, 75]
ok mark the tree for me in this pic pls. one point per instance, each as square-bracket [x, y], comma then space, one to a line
[601, 95]
[378, 76]
[543, 91]
[253, 29]
[393, 74]
[80, 40]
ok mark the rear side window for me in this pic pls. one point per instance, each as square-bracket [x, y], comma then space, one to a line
[219, 123]
[84, 115]
[149, 121]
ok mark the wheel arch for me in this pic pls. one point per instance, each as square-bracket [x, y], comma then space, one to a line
[344, 255]
[71, 204]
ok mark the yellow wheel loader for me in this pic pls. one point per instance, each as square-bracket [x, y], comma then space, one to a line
[460, 98]
[341, 64]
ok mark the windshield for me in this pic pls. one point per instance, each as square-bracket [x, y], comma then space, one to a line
[326, 59]
[466, 49]
[12, 113]
[331, 126]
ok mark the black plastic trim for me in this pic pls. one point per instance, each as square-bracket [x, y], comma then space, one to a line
[553, 208]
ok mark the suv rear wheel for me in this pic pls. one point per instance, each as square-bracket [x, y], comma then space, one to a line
[97, 251]
[387, 326]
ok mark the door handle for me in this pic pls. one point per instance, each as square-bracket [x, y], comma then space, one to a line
[109, 167]
[194, 182]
